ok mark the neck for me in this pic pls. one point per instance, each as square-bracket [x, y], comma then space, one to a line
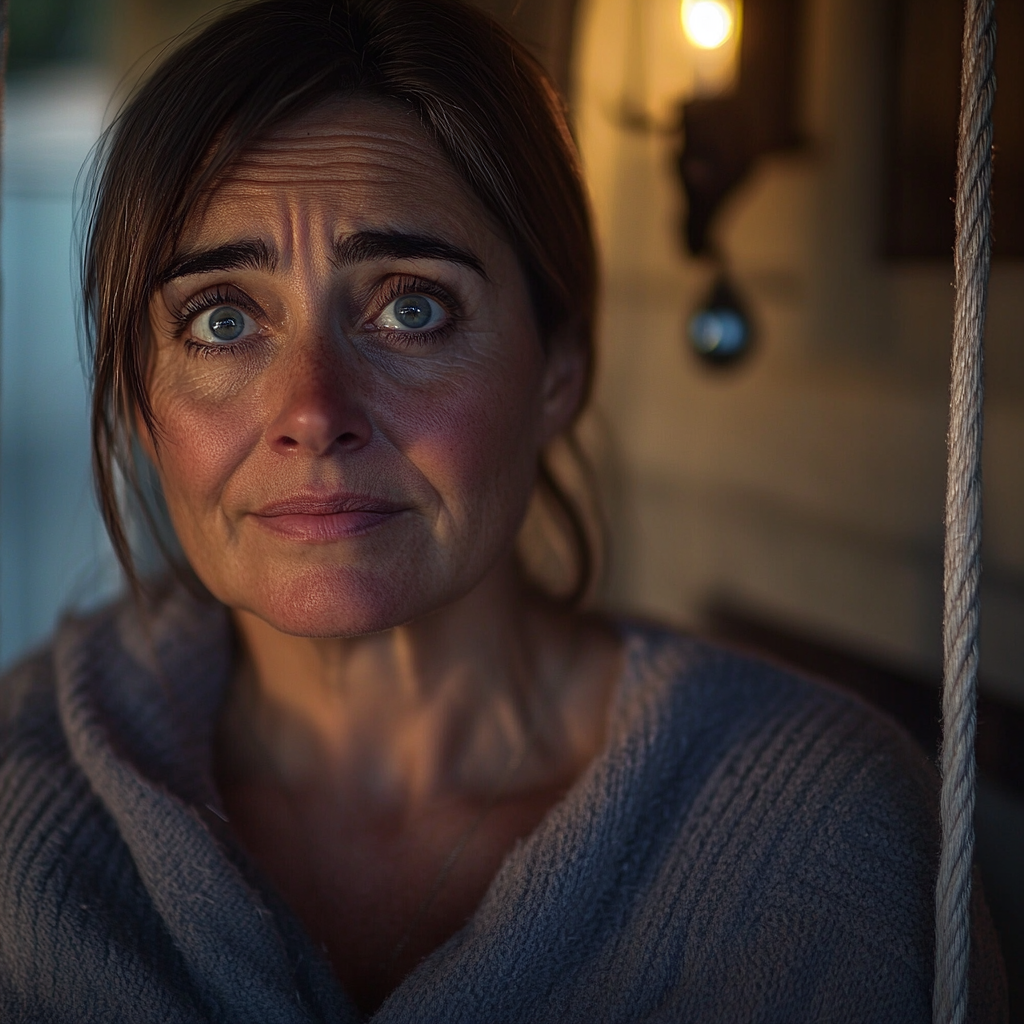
[436, 706]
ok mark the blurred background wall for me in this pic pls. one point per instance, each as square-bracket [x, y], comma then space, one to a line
[805, 483]
[53, 551]
[797, 492]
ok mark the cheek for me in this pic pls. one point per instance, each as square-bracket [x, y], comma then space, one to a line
[478, 441]
[202, 442]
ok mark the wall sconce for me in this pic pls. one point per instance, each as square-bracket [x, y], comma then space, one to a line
[720, 76]
[712, 30]
[722, 137]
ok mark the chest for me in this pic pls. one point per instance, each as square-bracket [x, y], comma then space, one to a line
[378, 895]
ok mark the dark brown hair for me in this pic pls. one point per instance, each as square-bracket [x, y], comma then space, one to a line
[490, 107]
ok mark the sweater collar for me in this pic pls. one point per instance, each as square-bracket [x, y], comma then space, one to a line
[146, 682]
[139, 694]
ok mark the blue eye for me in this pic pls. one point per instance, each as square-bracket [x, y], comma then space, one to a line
[226, 323]
[222, 325]
[412, 312]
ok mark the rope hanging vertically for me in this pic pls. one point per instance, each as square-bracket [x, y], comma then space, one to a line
[962, 570]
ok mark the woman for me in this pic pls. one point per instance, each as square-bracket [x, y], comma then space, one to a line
[354, 762]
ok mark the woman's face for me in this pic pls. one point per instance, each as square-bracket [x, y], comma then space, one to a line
[349, 388]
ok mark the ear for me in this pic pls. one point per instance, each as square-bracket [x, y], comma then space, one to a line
[566, 374]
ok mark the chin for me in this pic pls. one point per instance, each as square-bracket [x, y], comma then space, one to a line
[333, 601]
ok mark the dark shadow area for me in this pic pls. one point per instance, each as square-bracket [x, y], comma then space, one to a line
[923, 107]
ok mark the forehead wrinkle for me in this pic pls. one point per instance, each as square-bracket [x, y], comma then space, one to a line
[349, 176]
[374, 202]
[219, 225]
[345, 149]
[346, 165]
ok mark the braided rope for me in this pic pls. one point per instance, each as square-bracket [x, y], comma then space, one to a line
[962, 568]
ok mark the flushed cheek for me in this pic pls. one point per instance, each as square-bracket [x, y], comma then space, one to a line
[477, 448]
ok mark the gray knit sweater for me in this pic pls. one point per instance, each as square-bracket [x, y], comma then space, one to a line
[750, 847]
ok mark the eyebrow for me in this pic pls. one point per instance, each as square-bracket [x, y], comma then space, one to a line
[361, 247]
[368, 246]
[247, 254]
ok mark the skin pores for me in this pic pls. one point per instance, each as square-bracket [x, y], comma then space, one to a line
[349, 388]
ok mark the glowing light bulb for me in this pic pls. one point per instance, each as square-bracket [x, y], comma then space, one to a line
[708, 24]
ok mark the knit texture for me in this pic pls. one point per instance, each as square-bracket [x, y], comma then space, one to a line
[751, 846]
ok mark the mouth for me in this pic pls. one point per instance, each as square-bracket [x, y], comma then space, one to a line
[322, 519]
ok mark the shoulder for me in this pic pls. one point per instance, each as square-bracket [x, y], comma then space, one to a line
[723, 704]
[123, 678]
[73, 909]
[33, 754]
[26, 690]
[32, 730]
[793, 741]
[806, 840]
[806, 835]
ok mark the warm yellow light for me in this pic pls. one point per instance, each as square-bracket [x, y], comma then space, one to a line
[708, 23]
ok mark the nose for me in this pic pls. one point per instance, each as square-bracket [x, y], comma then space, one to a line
[321, 406]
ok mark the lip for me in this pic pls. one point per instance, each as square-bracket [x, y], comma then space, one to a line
[326, 518]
